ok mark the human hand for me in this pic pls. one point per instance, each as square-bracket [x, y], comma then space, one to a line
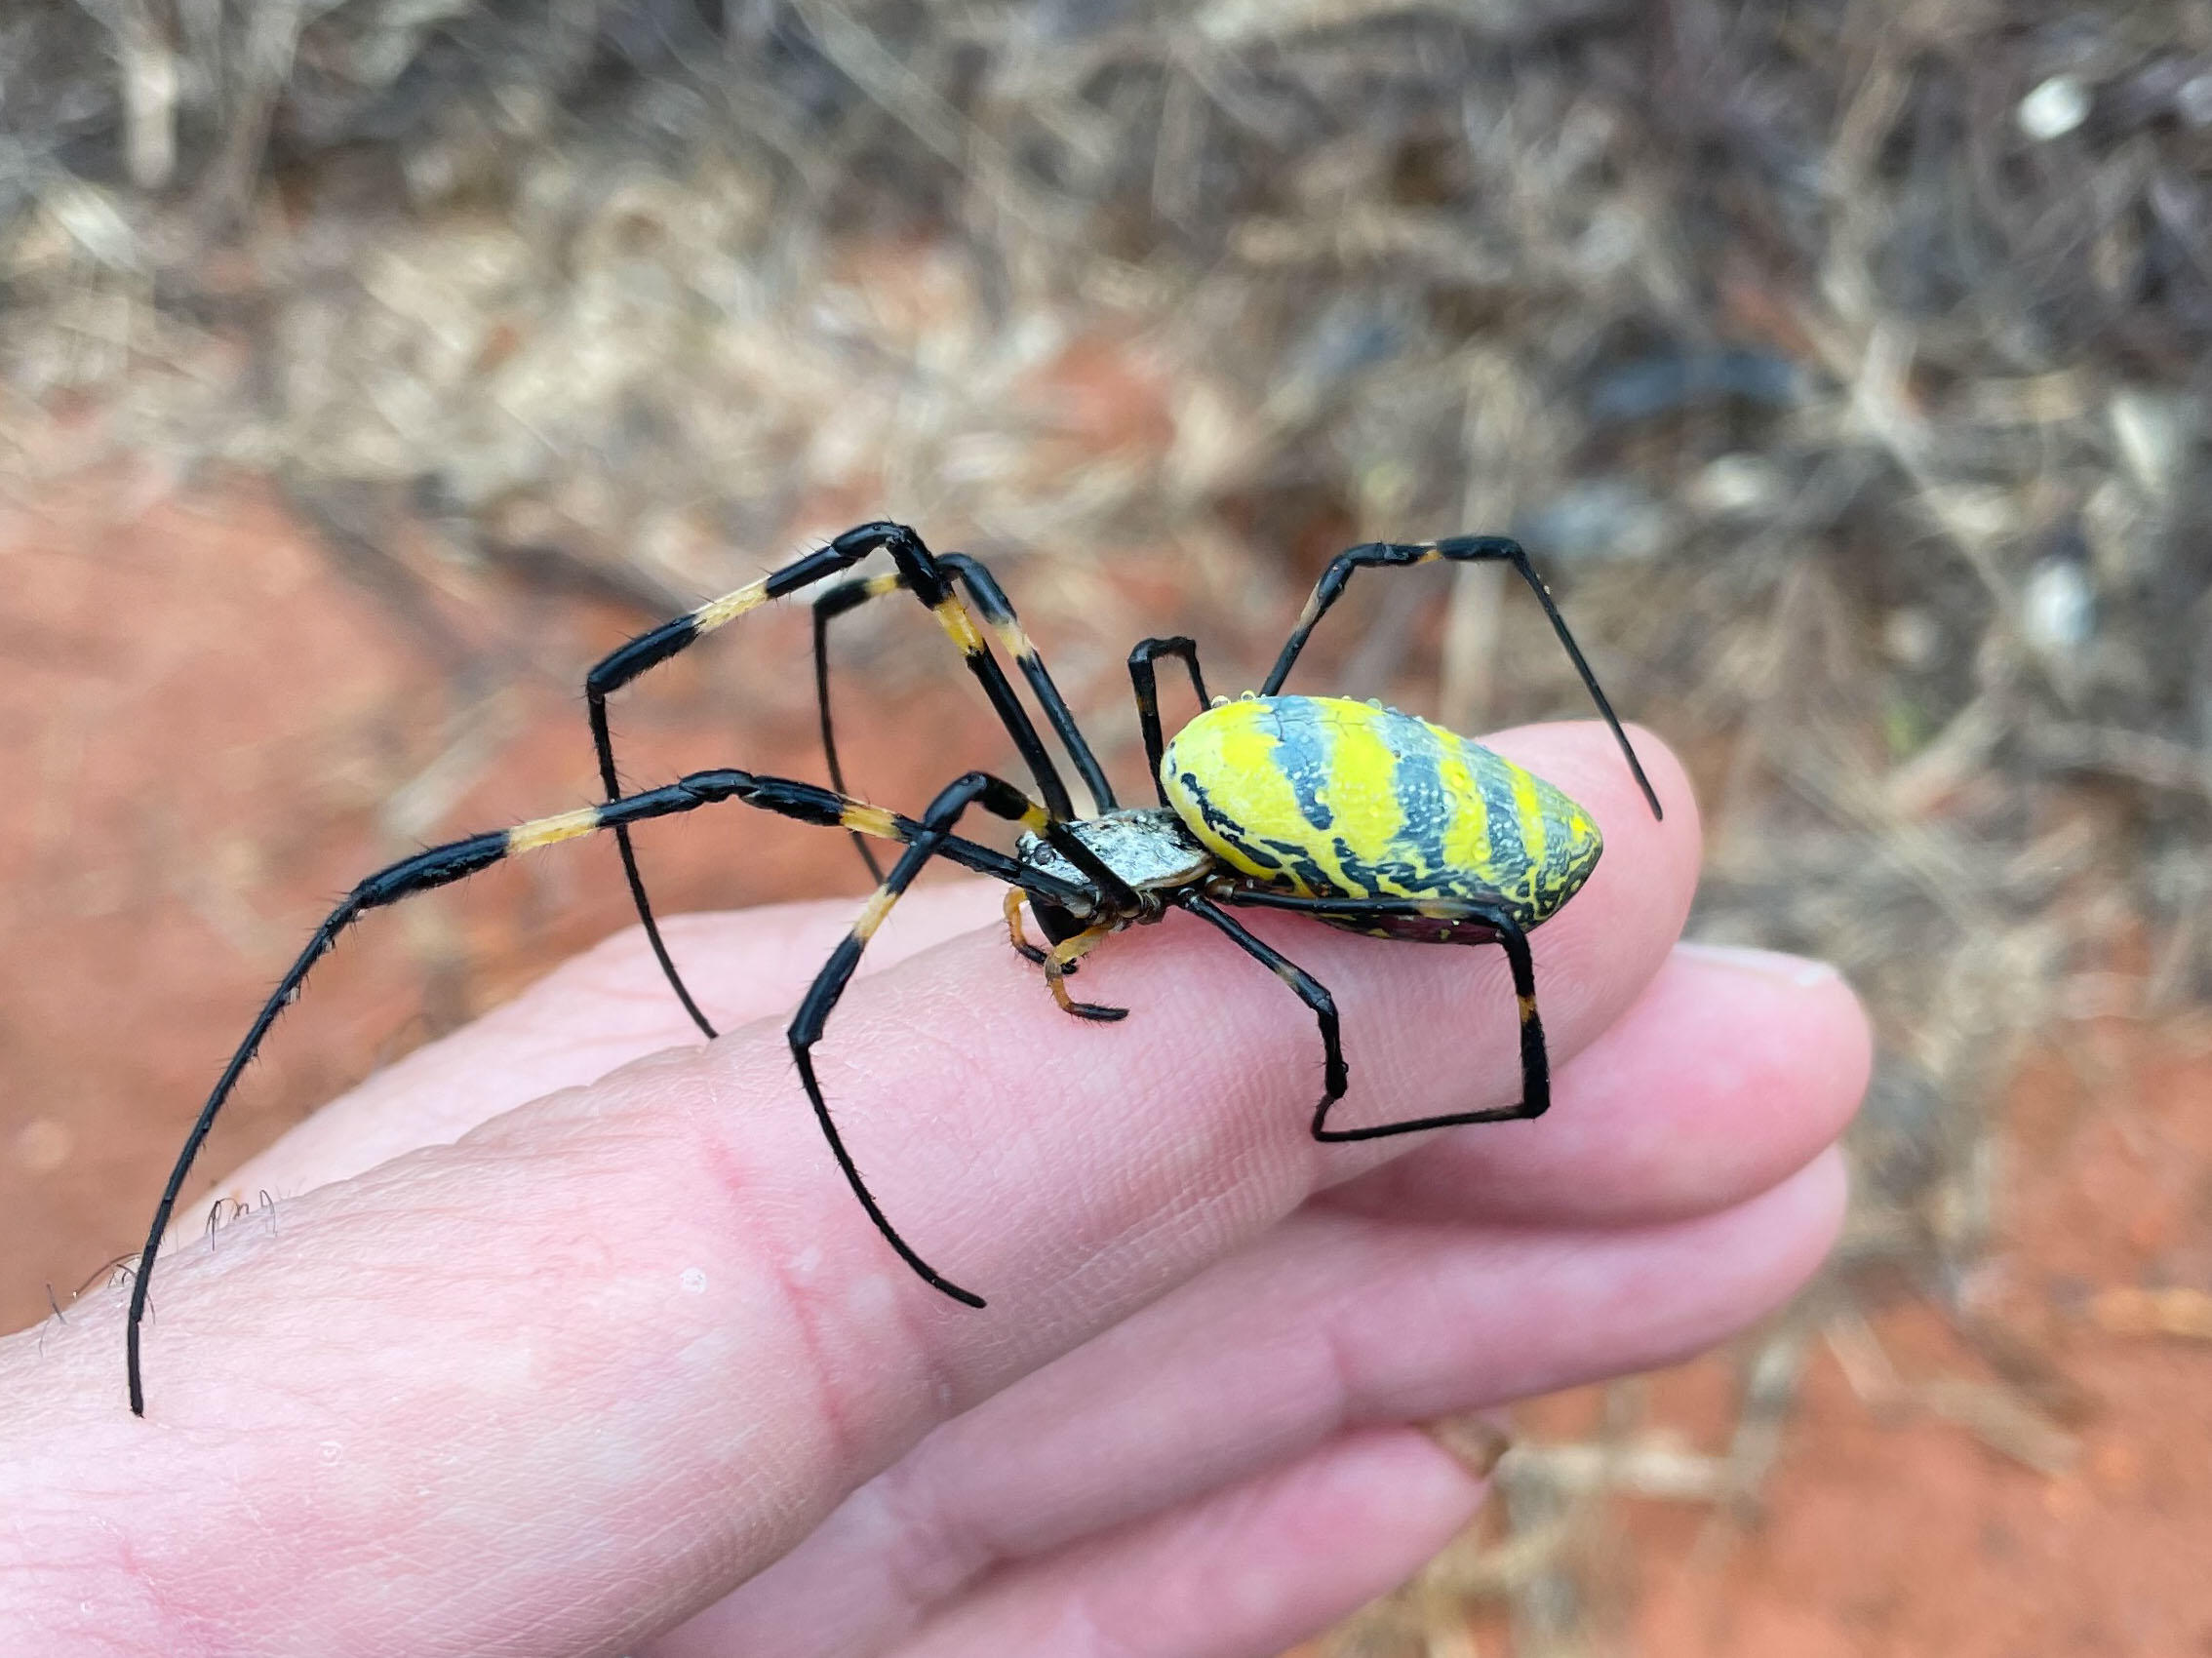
[621, 1368]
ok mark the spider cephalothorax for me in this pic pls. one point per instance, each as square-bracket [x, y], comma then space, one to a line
[1354, 814]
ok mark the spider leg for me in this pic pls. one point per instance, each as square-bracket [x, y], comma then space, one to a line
[1457, 549]
[1144, 683]
[999, 616]
[976, 789]
[1061, 961]
[845, 596]
[1336, 1077]
[440, 866]
[1509, 935]
[1027, 951]
[924, 575]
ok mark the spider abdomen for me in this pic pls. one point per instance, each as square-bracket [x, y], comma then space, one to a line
[1329, 798]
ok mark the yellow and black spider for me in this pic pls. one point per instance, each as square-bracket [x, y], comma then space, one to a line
[1351, 813]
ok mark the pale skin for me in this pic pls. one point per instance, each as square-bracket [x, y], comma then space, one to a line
[565, 1336]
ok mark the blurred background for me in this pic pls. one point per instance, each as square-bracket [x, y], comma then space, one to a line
[372, 366]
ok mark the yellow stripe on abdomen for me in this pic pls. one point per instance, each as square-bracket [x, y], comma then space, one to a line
[1367, 815]
[1467, 836]
[1528, 813]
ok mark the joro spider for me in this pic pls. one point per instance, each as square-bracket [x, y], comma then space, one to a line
[1351, 813]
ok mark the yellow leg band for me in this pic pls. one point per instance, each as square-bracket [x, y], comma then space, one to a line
[544, 831]
[960, 626]
[872, 914]
[1014, 640]
[870, 820]
[729, 607]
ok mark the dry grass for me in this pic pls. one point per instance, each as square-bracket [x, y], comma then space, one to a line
[1850, 392]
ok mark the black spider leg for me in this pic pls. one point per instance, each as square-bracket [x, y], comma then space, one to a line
[443, 865]
[925, 577]
[977, 788]
[999, 616]
[845, 596]
[1507, 932]
[1144, 683]
[1457, 549]
[1335, 1075]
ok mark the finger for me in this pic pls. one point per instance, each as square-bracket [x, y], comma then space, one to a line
[1331, 1321]
[614, 1350]
[1241, 1573]
[1732, 1069]
[589, 1016]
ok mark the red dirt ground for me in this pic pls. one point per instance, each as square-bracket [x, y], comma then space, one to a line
[1888, 1531]
[203, 718]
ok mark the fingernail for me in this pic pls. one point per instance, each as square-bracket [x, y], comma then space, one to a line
[1803, 972]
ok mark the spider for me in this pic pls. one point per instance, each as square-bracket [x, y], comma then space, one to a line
[1354, 814]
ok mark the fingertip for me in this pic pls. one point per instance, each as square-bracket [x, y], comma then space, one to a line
[1402, 1476]
[1824, 1189]
[1732, 1072]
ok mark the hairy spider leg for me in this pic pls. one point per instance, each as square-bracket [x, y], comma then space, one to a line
[1335, 1075]
[999, 616]
[1058, 962]
[976, 789]
[1456, 549]
[455, 861]
[1061, 961]
[923, 576]
[1027, 951]
[1507, 933]
[1144, 683]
